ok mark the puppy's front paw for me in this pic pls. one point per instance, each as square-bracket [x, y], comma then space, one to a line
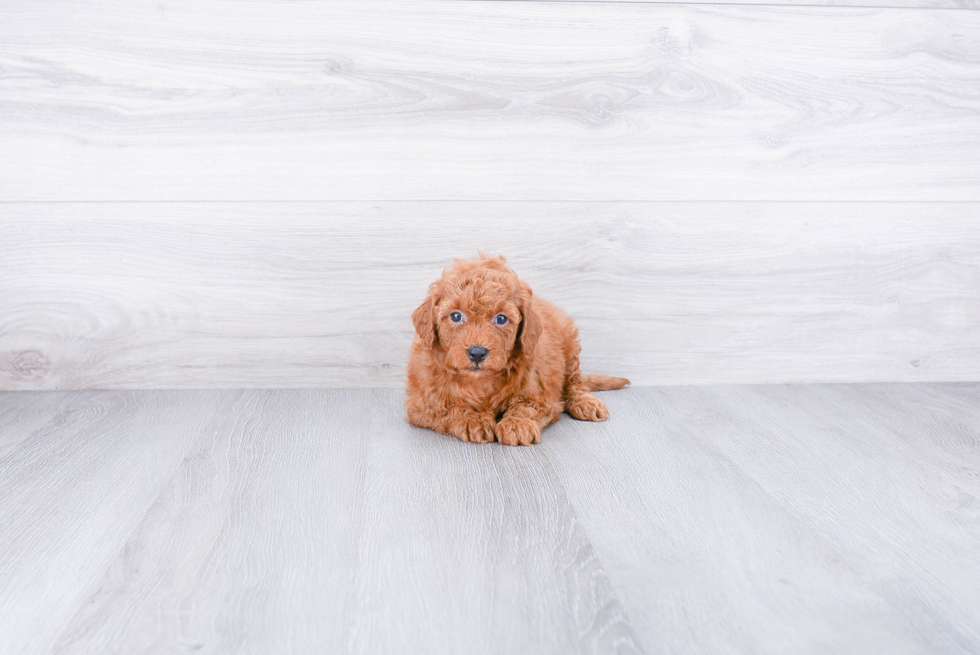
[518, 431]
[587, 408]
[474, 428]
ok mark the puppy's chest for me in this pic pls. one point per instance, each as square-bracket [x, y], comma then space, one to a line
[483, 395]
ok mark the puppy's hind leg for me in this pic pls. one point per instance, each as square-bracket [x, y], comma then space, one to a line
[581, 404]
[586, 407]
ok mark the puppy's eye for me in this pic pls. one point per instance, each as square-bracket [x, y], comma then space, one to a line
[500, 319]
[456, 317]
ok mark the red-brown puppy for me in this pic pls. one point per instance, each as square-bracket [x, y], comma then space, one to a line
[491, 360]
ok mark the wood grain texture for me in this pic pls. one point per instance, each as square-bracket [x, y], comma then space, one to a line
[810, 497]
[72, 491]
[257, 532]
[23, 414]
[867, 458]
[486, 541]
[320, 294]
[773, 519]
[896, 4]
[486, 100]
[313, 522]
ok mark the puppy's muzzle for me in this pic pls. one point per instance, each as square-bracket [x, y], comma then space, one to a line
[476, 354]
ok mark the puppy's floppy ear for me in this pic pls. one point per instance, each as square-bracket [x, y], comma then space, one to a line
[424, 319]
[530, 329]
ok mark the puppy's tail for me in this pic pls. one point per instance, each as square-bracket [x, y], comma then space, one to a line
[603, 382]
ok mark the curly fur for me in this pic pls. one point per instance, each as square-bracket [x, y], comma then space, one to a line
[531, 371]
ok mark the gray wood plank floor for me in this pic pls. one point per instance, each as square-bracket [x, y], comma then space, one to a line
[805, 519]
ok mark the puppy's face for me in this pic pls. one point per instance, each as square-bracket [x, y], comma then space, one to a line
[477, 317]
[477, 327]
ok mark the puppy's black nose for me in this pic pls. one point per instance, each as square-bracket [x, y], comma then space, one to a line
[476, 354]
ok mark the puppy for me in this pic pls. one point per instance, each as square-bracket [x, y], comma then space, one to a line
[492, 361]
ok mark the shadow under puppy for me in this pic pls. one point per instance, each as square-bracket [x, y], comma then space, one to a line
[491, 360]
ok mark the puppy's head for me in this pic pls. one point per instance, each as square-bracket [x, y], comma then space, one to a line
[477, 318]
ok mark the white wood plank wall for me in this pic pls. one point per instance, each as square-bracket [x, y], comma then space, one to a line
[316, 294]
[438, 100]
[256, 193]
[924, 4]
